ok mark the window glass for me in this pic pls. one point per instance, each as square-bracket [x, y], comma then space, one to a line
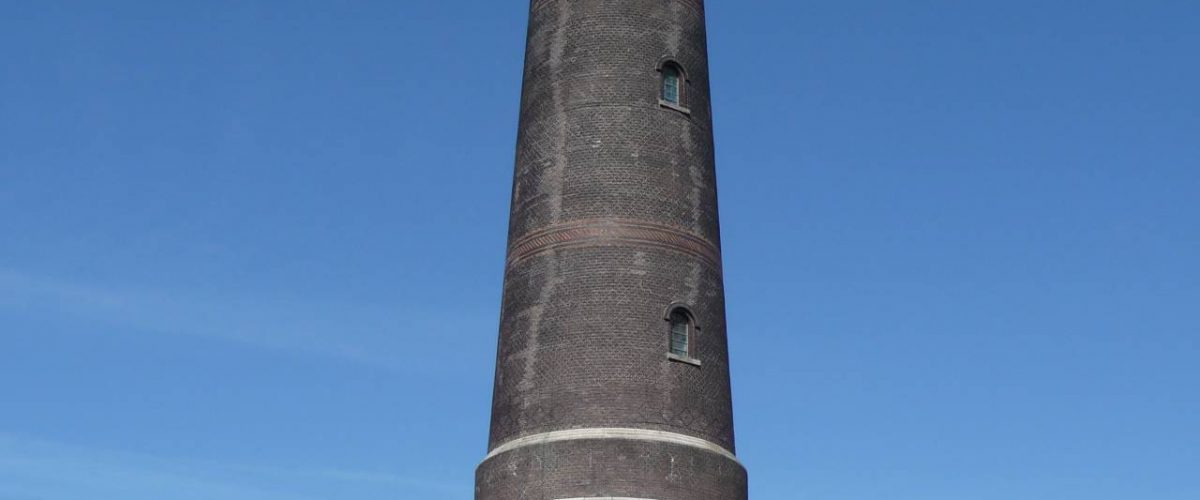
[679, 333]
[670, 84]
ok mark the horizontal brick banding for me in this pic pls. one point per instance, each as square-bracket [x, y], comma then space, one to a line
[598, 469]
[537, 4]
[613, 232]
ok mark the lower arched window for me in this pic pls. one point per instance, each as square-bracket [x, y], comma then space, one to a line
[681, 333]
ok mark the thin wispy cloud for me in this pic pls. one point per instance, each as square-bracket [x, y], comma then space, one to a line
[368, 335]
[35, 469]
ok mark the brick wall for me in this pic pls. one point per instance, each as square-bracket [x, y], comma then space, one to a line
[614, 218]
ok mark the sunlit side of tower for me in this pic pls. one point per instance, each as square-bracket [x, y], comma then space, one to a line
[612, 376]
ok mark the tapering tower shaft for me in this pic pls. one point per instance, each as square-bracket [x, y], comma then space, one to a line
[612, 375]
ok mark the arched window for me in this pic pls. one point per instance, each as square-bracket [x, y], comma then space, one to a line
[672, 84]
[681, 333]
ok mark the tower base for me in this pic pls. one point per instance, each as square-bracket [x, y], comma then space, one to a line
[625, 469]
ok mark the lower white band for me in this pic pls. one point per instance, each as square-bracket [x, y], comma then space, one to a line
[613, 433]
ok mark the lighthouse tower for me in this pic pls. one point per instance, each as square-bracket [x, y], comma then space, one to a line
[612, 369]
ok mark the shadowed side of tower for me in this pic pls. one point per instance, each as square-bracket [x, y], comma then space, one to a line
[612, 374]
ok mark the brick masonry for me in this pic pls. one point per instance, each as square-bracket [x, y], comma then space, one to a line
[613, 219]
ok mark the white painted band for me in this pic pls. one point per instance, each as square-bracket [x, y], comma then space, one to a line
[605, 498]
[613, 433]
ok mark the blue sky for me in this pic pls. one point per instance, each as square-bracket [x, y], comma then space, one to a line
[253, 249]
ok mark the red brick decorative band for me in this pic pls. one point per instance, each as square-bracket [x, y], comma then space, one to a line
[612, 232]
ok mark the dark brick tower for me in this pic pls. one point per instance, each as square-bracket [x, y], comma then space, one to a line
[612, 376]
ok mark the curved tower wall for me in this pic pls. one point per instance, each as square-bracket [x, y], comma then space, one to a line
[613, 223]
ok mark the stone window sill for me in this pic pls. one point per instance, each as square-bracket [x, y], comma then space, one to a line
[683, 359]
[676, 107]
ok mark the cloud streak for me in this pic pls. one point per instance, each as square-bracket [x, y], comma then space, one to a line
[363, 335]
[34, 469]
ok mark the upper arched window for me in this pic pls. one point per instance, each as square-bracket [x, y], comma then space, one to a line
[681, 333]
[672, 84]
